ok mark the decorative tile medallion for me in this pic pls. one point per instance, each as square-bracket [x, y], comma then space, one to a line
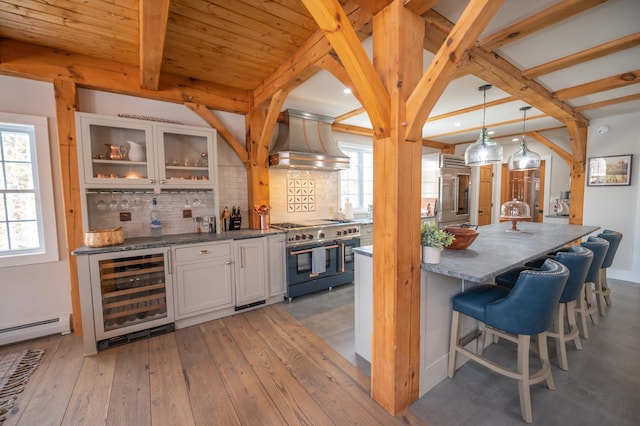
[301, 195]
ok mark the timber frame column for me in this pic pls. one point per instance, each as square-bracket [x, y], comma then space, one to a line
[66, 97]
[578, 136]
[257, 172]
[397, 57]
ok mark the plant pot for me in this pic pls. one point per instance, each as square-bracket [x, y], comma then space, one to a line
[430, 255]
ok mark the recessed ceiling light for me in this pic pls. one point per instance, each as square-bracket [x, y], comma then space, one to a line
[347, 91]
[515, 140]
[457, 124]
[491, 132]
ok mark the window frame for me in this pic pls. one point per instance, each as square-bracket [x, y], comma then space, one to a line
[43, 189]
[360, 149]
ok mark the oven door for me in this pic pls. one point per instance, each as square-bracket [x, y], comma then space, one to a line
[300, 262]
[348, 257]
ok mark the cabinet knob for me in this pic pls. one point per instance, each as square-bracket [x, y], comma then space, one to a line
[228, 262]
[152, 181]
[163, 181]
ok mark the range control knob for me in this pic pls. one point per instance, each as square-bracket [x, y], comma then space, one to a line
[321, 235]
[297, 237]
[310, 236]
[338, 233]
[304, 236]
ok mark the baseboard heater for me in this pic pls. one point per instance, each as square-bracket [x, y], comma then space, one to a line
[135, 335]
[35, 329]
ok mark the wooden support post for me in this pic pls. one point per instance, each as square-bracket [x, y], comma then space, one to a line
[578, 135]
[397, 52]
[66, 96]
[257, 173]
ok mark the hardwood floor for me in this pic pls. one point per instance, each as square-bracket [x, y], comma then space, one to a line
[260, 367]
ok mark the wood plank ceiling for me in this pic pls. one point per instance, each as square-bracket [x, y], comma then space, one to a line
[231, 46]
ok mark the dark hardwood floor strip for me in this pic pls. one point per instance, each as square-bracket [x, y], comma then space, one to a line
[192, 347]
[130, 401]
[169, 398]
[291, 398]
[249, 397]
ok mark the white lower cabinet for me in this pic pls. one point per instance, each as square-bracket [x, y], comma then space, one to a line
[204, 278]
[250, 271]
[276, 264]
[366, 234]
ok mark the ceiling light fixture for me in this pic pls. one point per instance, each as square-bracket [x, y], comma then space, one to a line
[484, 150]
[524, 159]
[347, 91]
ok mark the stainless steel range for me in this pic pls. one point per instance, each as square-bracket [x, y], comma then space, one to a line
[319, 254]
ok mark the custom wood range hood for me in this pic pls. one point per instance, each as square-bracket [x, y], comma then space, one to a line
[305, 141]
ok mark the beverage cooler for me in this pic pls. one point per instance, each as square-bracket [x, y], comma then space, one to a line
[132, 295]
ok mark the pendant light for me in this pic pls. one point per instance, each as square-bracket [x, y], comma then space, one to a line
[524, 159]
[484, 150]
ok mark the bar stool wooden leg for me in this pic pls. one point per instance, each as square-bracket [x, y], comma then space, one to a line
[600, 294]
[544, 360]
[558, 334]
[605, 287]
[524, 384]
[582, 311]
[573, 327]
[591, 303]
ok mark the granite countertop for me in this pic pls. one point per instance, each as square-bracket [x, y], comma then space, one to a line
[496, 250]
[137, 243]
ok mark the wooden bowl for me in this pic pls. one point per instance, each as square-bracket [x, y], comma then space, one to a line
[464, 237]
[104, 237]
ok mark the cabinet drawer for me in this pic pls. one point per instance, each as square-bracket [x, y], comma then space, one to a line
[202, 252]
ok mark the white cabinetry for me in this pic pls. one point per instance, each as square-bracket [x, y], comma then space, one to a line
[366, 235]
[204, 280]
[127, 153]
[250, 271]
[276, 265]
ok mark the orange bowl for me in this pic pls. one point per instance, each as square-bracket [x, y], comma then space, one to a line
[463, 237]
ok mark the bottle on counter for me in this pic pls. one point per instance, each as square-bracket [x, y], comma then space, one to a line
[156, 223]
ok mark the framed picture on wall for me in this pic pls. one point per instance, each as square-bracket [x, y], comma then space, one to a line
[614, 170]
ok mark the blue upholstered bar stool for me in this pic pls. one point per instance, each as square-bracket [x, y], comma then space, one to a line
[586, 304]
[603, 292]
[578, 259]
[515, 315]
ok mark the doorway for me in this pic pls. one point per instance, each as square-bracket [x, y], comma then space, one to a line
[524, 185]
[485, 195]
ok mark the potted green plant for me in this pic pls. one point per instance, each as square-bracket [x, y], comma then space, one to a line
[433, 241]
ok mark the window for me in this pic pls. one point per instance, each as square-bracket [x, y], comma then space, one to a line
[356, 183]
[27, 216]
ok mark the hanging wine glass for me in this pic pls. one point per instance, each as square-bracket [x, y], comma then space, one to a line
[101, 204]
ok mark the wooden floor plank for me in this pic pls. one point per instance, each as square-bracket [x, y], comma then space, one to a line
[249, 397]
[296, 405]
[210, 403]
[192, 347]
[338, 395]
[130, 401]
[89, 402]
[49, 403]
[50, 346]
[169, 398]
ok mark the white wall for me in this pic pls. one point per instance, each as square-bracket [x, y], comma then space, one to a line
[41, 291]
[617, 207]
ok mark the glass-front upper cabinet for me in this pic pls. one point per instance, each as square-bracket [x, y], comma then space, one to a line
[115, 151]
[186, 156]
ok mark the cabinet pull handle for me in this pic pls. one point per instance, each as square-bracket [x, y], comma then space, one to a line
[242, 257]
[168, 262]
[204, 251]
[152, 181]
[228, 262]
[163, 181]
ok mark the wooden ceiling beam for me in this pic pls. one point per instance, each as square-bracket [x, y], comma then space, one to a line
[277, 100]
[300, 66]
[552, 146]
[608, 83]
[438, 145]
[493, 69]
[333, 21]
[419, 6]
[448, 60]
[472, 108]
[329, 63]
[354, 130]
[489, 125]
[609, 102]
[222, 130]
[153, 30]
[596, 52]
[509, 135]
[536, 22]
[40, 63]
[349, 114]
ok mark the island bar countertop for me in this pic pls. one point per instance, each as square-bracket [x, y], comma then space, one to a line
[497, 250]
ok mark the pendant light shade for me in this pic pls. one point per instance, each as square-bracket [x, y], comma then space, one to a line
[524, 159]
[484, 150]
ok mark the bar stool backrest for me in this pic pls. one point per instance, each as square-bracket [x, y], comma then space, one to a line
[578, 259]
[614, 239]
[528, 308]
[599, 247]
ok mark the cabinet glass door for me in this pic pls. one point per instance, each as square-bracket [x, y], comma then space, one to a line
[186, 157]
[116, 152]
